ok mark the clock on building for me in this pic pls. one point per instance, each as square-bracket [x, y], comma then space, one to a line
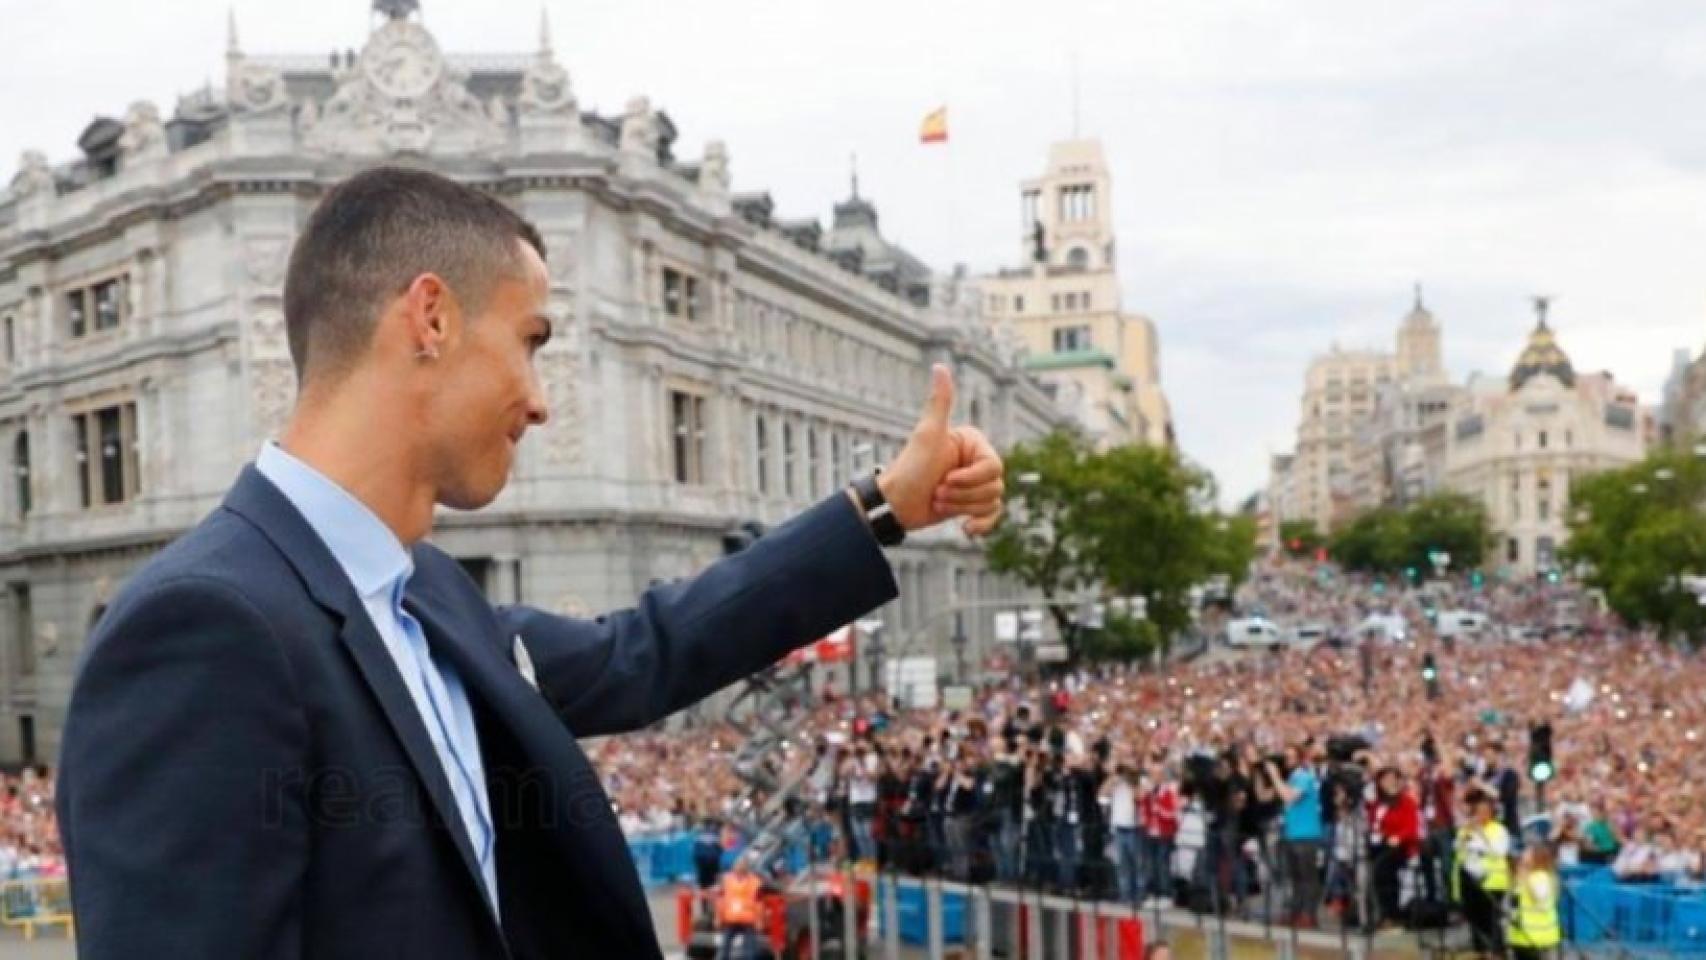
[402, 61]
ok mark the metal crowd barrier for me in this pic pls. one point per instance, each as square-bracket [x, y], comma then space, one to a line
[666, 858]
[29, 903]
[1663, 919]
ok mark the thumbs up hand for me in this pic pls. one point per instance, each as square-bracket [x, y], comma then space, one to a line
[944, 471]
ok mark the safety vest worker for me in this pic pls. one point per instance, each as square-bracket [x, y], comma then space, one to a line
[1483, 851]
[1534, 924]
[738, 906]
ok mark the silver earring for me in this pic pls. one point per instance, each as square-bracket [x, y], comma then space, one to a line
[426, 353]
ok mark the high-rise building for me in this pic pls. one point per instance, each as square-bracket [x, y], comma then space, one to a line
[1339, 393]
[1419, 357]
[1064, 305]
[715, 363]
[1400, 448]
[1371, 428]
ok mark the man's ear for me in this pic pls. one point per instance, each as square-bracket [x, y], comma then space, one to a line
[432, 310]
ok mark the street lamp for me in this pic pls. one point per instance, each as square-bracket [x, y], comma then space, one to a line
[959, 641]
[874, 652]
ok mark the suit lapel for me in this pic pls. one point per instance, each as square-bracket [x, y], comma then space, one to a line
[380, 671]
[469, 636]
[257, 500]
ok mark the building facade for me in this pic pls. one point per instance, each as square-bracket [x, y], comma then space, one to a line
[715, 364]
[1339, 392]
[1682, 414]
[1400, 447]
[1371, 430]
[1064, 305]
[1518, 445]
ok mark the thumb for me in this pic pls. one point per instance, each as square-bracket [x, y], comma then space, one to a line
[941, 402]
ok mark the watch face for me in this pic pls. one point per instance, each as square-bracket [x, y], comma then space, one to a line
[404, 68]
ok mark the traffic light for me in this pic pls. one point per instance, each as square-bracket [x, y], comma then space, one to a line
[1430, 675]
[1540, 768]
[1553, 576]
[1410, 574]
[1476, 579]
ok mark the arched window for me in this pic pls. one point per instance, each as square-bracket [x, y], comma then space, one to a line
[1078, 258]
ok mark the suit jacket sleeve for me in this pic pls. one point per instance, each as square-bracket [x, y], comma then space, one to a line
[685, 640]
[180, 792]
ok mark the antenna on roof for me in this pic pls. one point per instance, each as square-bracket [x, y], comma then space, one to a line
[853, 162]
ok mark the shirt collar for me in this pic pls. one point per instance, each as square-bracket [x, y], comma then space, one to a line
[369, 553]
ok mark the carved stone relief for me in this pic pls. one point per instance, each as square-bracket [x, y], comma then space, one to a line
[265, 258]
[34, 175]
[144, 135]
[562, 436]
[403, 97]
[272, 385]
[562, 248]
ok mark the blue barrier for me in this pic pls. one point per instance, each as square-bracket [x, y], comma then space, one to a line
[912, 915]
[1600, 910]
[665, 858]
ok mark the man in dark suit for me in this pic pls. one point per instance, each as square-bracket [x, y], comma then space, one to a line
[301, 730]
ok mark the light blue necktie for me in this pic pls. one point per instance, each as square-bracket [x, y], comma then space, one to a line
[456, 740]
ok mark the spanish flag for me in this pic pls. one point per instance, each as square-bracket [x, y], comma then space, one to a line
[935, 128]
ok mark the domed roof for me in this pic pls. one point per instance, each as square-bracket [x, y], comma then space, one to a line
[1542, 355]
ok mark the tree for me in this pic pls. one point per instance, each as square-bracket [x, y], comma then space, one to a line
[1450, 523]
[1121, 639]
[1300, 538]
[1395, 541]
[1153, 538]
[1375, 542]
[1639, 530]
[1232, 546]
[1045, 540]
[1130, 522]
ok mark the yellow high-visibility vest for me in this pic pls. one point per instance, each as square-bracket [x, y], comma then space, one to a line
[1535, 922]
[1496, 877]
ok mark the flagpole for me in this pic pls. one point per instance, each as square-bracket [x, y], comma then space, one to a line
[952, 224]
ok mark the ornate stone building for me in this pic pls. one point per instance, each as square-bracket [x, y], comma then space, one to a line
[1517, 445]
[715, 364]
[1065, 307]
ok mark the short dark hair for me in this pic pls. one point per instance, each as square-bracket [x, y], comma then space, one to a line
[370, 237]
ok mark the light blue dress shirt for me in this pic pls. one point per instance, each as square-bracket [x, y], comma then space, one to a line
[379, 568]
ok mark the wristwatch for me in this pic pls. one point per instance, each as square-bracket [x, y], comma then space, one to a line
[878, 513]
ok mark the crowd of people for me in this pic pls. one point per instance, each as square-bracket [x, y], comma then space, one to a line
[29, 832]
[1336, 772]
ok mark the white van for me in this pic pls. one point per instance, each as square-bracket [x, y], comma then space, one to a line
[1452, 624]
[1306, 636]
[1385, 627]
[1252, 632]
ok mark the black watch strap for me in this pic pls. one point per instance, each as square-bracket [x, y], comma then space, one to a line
[878, 513]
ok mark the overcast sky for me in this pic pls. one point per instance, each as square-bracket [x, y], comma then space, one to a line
[1283, 171]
